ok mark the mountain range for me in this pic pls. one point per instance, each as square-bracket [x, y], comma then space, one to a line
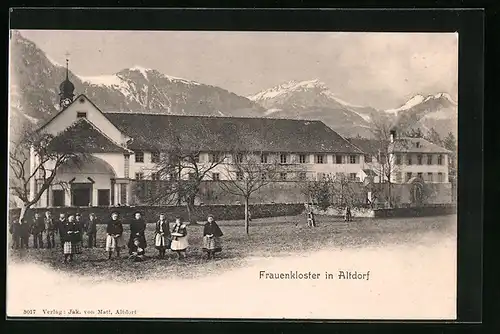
[35, 79]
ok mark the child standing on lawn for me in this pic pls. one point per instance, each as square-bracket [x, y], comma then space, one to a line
[162, 236]
[15, 230]
[179, 238]
[137, 230]
[51, 228]
[92, 231]
[114, 239]
[37, 229]
[71, 238]
[211, 237]
[60, 223]
[24, 233]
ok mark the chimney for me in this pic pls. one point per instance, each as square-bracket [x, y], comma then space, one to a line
[393, 135]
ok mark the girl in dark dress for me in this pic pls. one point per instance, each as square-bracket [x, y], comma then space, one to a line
[211, 238]
[71, 237]
[137, 230]
[162, 236]
[114, 240]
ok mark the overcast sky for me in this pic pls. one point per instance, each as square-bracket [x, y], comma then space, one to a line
[381, 70]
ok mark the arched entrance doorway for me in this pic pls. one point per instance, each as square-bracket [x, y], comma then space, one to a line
[88, 183]
[417, 190]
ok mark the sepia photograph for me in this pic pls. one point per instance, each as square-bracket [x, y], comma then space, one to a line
[232, 174]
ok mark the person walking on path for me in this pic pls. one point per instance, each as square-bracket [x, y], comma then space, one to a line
[347, 214]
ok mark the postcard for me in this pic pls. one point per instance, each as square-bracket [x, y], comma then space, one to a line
[232, 175]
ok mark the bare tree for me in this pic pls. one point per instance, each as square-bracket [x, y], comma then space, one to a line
[387, 165]
[320, 192]
[179, 175]
[343, 192]
[245, 176]
[44, 167]
[330, 191]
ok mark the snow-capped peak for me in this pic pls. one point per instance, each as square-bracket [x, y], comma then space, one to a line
[417, 99]
[284, 88]
[445, 96]
[409, 104]
[293, 85]
[144, 71]
[103, 80]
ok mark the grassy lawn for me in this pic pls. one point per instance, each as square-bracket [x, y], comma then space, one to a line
[278, 236]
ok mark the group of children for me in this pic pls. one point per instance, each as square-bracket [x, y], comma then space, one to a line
[71, 231]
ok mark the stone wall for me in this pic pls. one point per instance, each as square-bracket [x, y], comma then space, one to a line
[430, 210]
[339, 212]
[221, 212]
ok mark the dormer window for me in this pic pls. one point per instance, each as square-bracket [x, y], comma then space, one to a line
[81, 114]
[417, 144]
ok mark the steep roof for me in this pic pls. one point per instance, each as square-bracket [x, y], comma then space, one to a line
[369, 146]
[203, 133]
[415, 145]
[83, 136]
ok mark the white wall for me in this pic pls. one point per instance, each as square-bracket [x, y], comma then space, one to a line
[115, 160]
[311, 168]
[68, 116]
[424, 168]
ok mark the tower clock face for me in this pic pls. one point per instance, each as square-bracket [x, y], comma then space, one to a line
[65, 102]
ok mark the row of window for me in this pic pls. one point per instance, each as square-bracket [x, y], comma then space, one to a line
[264, 158]
[239, 176]
[419, 160]
[428, 177]
[409, 159]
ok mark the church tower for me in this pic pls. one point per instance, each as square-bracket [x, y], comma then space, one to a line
[66, 90]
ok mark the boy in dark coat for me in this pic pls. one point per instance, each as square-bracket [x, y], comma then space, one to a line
[37, 229]
[50, 228]
[92, 231]
[15, 230]
[82, 225]
[114, 239]
[24, 233]
[60, 224]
